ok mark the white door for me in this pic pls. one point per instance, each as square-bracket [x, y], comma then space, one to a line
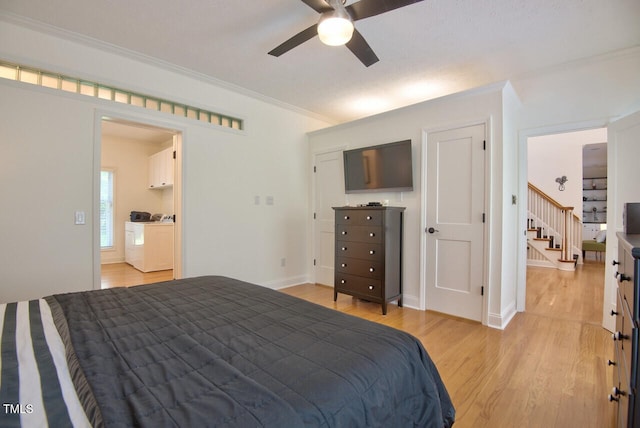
[623, 152]
[329, 192]
[455, 177]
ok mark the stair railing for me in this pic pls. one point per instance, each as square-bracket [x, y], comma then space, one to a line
[555, 220]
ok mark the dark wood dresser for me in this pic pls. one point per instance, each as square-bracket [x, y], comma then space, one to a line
[625, 363]
[368, 255]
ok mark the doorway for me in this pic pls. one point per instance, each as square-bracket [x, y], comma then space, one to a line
[561, 165]
[133, 156]
[327, 168]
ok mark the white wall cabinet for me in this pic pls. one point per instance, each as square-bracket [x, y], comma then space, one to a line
[149, 246]
[161, 169]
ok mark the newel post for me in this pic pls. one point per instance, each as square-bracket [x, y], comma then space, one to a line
[567, 238]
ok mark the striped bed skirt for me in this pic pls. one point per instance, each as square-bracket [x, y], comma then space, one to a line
[32, 356]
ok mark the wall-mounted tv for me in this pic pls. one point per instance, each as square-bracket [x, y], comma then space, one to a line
[381, 168]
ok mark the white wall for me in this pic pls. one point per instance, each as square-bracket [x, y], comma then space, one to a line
[575, 96]
[552, 156]
[580, 94]
[48, 140]
[485, 104]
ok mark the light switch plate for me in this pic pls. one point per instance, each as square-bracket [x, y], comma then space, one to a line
[80, 217]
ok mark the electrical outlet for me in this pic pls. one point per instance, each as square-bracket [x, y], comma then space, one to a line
[269, 200]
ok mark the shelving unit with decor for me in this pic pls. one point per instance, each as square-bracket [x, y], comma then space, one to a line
[594, 200]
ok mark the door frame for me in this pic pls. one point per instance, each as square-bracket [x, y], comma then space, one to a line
[523, 179]
[178, 185]
[487, 122]
[314, 192]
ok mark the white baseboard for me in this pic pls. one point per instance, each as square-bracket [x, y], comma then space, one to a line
[412, 302]
[500, 321]
[286, 282]
[541, 263]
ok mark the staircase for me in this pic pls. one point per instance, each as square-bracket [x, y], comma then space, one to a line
[554, 233]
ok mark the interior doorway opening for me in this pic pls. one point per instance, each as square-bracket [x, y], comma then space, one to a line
[570, 169]
[139, 239]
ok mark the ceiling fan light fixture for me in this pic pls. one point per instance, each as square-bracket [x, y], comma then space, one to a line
[335, 28]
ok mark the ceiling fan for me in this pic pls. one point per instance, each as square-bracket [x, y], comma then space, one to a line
[335, 26]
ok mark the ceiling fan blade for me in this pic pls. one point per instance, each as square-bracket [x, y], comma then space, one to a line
[360, 48]
[296, 40]
[367, 8]
[319, 6]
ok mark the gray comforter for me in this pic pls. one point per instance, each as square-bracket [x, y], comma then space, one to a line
[214, 351]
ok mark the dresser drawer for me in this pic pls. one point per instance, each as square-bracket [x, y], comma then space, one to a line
[359, 217]
[368, 253]
[359, 250]
[625, 281]
[616, 363]
[359, 267]
[623, 402]
[372, 234]
[359, 286]
[626, 336]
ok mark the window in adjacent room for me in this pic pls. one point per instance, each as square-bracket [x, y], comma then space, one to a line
[106, 208]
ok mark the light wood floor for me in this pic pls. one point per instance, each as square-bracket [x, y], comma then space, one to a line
[125, 275]
[546, 369]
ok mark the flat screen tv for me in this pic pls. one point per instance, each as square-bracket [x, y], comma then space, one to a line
[381, 168]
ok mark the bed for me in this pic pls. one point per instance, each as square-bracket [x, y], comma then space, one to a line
[209, 351]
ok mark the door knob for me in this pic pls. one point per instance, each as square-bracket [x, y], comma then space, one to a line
[431, 230]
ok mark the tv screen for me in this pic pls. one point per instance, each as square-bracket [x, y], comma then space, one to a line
[382, 168]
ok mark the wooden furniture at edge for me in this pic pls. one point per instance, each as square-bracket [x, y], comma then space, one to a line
[625, 364]
[368, 253]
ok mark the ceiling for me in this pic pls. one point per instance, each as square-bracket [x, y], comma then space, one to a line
[136, 131]
[594, 155]
[426, 50]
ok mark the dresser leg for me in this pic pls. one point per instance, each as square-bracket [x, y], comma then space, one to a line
[400, 302]
[335, 295]
[384, 308]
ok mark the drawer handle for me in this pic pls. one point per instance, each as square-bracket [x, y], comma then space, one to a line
[615, 394]
[624, 277]
[371, 234]
[346, 217]
[619, 336]
[344, 232]
[611, 363]
[615, 263]
[369, 217]
[372, 252]
[343, 281]
[344, 248]
[613, 313]
[371, 287]
[343, 265]
[371, 269]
